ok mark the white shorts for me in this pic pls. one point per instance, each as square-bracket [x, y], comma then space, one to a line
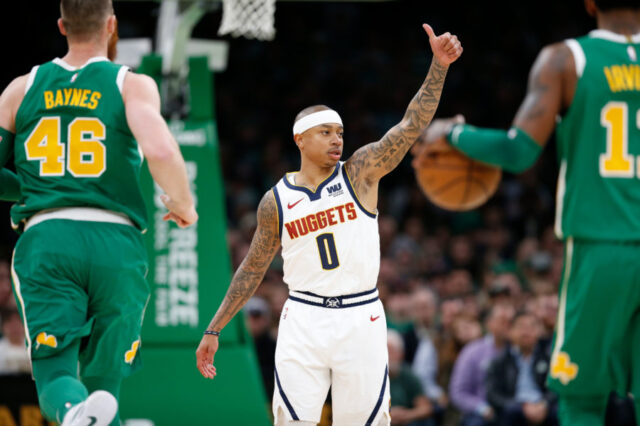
[344, 347]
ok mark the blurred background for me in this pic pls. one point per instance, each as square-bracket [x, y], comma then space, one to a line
[446, 279]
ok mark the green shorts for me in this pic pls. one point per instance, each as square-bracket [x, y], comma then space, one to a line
[597, 342]
[83, 280]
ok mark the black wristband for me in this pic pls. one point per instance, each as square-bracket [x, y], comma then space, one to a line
[211, 332]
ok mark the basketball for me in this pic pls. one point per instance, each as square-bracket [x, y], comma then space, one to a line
[453, 181]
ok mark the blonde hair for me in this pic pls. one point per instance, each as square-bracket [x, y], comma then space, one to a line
[82, 19]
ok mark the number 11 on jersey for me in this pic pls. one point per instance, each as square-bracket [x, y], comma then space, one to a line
[616, 161]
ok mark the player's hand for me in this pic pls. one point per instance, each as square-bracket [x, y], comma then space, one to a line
[446, 47]
[433, 139]
[204, 355]
[183, 215]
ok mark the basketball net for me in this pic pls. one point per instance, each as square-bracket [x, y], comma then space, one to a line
[248, 18]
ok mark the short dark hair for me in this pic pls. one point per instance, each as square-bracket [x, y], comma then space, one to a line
[81, 18]
[604, 5]
[523, 314]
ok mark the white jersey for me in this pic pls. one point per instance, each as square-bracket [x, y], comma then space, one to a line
[330, 242]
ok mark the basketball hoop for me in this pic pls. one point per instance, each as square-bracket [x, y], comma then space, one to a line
[248, 18]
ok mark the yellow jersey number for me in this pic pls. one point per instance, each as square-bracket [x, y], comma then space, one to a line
[86, 155]
[616, 161]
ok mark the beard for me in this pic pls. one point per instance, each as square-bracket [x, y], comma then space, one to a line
[112, 48]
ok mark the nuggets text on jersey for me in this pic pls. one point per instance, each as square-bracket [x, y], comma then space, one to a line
[320, 220]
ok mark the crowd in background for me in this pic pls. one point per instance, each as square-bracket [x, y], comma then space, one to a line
[471, 297]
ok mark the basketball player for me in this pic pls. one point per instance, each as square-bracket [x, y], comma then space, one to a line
[589, 90]
[332, 329]
[79, 266]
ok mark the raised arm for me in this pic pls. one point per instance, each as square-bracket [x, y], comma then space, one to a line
[142, 107]
[371, 162]
[264, 245]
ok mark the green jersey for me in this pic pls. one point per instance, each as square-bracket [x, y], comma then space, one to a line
[73, 147]
[598, 142]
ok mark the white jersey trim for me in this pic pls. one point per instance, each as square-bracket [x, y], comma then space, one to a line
[562, 304]
[31, 78]
[88, 214]
[68, 67]
[562, 187]
[615, 37]
[578, 55]
[122, 73]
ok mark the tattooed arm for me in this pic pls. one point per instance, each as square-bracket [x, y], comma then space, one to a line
[264, 246]
[552, 83]
[371, 162]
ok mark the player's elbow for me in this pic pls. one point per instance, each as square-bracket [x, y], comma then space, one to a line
[162, 152]
[518, 164]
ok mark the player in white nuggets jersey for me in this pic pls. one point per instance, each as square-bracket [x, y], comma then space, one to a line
[332, 329]
[330, 242]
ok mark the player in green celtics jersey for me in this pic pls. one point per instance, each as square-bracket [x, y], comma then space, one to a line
[588, 89]
[78, 128]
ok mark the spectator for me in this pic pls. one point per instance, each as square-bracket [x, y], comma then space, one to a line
[258, 317]
[447, 345]
[464, 328]
[507, 280]
[545, 307]
[13, 352]
[409, 404]
[398, 310]
[467, 386]
[516, 378]
[547, 312]
[5, 283]
[420, 351]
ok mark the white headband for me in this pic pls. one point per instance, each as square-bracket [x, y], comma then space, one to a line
[315, 119]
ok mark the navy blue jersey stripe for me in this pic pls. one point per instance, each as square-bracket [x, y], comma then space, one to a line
[346, 296]
[379, 403]
[313, 195]
[279, 204]
[353, 194]
[322, 305]
[294, 416]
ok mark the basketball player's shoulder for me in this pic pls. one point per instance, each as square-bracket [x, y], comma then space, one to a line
[19, 83]
[268, 209]
[10, 100]
[139, 85]
[555, 57]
